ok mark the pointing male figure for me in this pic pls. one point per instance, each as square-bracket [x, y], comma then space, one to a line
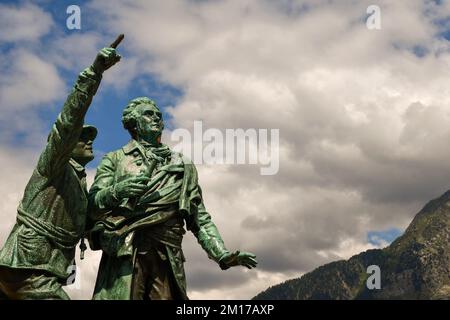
[36, 258]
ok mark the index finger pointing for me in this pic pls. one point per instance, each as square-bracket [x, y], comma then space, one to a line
[117, 41]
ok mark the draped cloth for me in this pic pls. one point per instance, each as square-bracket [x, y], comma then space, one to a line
[157, 206]
[62, 238]
[155, 220]
[159, 153]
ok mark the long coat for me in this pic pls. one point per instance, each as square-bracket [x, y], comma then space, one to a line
[52, 213]
[175, 184]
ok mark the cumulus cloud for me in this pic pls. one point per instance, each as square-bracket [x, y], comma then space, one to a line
[23, 23]
[28, 84]
[16, 167]
[29, 81]
[362, 115]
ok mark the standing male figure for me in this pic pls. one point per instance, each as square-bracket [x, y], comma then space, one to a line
[35, 260]
[142, 196]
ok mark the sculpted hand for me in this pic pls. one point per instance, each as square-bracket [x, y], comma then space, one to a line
[238, 258]
[130, 188]
[106, 58]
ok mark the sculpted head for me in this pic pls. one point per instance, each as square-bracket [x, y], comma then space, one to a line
[143, 120]
[83, 152]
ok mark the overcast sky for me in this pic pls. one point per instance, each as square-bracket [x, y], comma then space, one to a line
[363, 116]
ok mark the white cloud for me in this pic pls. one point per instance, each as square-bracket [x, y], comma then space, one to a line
[74, 51]
[16, 167]
[83, 287]
[23, 23]
[362, 119]
[29, 81]
[29, 84]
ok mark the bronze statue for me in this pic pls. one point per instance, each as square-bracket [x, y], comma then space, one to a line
[142, 196]
[51, 216]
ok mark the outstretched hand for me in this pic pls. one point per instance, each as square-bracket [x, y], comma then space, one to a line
[106, 58]
[238, 258]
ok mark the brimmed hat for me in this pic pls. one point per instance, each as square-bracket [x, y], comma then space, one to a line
[89, 131]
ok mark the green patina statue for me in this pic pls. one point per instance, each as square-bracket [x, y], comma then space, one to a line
[36, 258]
[142, 196]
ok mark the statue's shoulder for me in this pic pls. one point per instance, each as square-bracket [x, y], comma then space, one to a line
[113, 156]
[187, 163]
[120, 153]
[180, 158]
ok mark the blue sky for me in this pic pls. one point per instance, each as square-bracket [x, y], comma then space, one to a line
[380, 238]
[106, 109]
[106, 112]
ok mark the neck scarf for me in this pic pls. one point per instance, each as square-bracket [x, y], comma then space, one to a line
[159, 153]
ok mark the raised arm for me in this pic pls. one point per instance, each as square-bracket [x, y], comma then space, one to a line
[68, 126]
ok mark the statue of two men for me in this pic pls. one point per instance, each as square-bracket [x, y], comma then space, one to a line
[143, 197]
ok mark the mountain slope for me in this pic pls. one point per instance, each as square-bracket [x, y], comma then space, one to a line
[415, 266]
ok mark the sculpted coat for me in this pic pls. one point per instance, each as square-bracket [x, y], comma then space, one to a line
[52, 213]
[173, 200]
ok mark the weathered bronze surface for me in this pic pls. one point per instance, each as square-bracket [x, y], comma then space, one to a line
[142, 196]
[51, 217]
